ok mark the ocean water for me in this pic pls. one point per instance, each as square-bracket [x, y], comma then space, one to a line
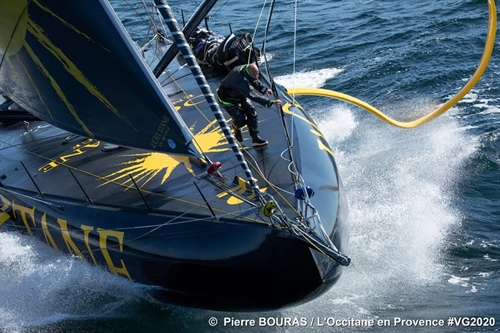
[424, 202]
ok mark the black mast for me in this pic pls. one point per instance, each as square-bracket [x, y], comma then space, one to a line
[193, 23]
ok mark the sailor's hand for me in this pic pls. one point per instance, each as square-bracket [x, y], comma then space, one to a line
[279, 102]
[269, 92]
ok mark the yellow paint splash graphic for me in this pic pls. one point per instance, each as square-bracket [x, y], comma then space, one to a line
[70, 26]
[147, 166]
[324, 147]
[58, 89]
[38, 32]
[315, 130]
[210, 139]
[286, 109]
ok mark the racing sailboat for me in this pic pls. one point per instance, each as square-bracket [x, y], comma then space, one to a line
[136, 168]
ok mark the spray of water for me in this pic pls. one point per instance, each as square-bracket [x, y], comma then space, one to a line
[309, 78]
[39, 286]
[399, 185]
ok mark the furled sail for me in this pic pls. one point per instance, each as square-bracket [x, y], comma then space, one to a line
[72, 64]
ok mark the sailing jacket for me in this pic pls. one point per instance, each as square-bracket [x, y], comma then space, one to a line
[237, 86]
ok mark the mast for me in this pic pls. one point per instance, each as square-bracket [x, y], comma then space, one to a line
[188, 55]
[199, 15]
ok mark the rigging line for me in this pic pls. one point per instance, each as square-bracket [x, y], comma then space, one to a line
[158, 28]
[164, 81]
[206, 219]
[126, 242]
[187, 52]
[156, 228]
[229, 190]
[240, 211]
[181, 89]
[196, 205]
[256, 167]
[150, 15]
[294, 47]
[195, 105]
[222, 213]
[133, 6]
[264, 41]
[263, 53]
[256, 28]
[152, 46]
[189, 98]
[220, 8]
[291, 166]
[294, 63]
[172, 220]
[488, 49]
[307, 239]
[275, 91]
[90, 174]
[337, 256]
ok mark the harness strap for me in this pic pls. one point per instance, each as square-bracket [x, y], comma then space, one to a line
[223, 102]
[229, 62]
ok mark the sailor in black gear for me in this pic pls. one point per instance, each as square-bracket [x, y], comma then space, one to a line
[241, 85]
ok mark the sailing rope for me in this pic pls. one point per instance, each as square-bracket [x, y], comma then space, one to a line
[107, 180]
[488, 49]
[188, 55]
[292, 126]
[255, 29]
[309, 227]
[294, 47]
[298, 181]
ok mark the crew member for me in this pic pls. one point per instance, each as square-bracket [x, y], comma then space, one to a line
[241, 85]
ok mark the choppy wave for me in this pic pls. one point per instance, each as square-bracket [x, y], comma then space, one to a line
[40, 287]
